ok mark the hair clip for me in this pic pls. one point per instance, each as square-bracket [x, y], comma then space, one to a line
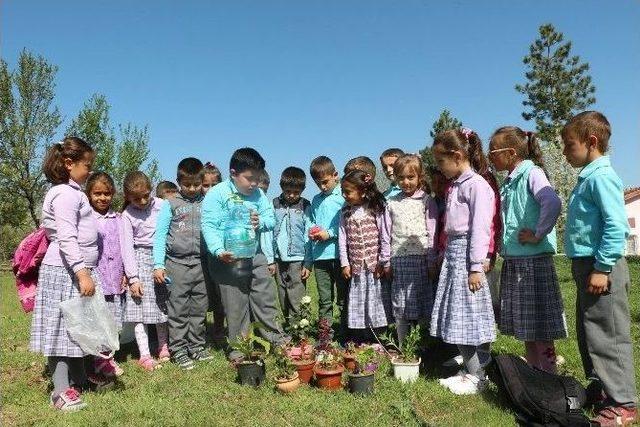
[367, 178]
[467, 133]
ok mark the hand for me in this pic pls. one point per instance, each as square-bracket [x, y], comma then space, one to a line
[305, 273]
[124, 283]
[489, 264]
[346, 272]
[159, 276]
[255, 220]
[598, 282]
[387, 272]
[226, 257]
[322, 235]
[85, 283]
[272, 269]
[379, 271]
[475, 281]
[136, 290]
[528, 236]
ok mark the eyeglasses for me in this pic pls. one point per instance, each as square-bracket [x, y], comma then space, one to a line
[499, 150]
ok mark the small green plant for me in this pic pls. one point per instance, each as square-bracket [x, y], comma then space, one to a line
[247, 344]
[299, 323]
[366, 361]
[409, 347]
[284, 369]
[330, 357]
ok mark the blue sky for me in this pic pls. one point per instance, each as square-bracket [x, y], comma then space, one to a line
[296, 79]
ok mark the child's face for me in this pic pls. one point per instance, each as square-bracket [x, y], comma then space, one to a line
[387, 166]
[577, 152]
[79, 170]
[501, 158]
[351, 194]
[168, 193]
[209, 180]
[450, 164]
[408, 181]
[327, 182]
[140, 199]
[100, 197]
[246, 182]
[190, 187]
[291, 194]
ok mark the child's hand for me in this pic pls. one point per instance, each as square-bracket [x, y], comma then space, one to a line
[85, 283]
[475, 281]
[159, 276]
[272, 269]
[136, 290]
[305, 273]
[387, 272]
[313, 231]
[322, 235]
[528, 236]
[598, 282]
[226, 257]
[124, 283]
[346, 272]
[255, 220]
[489, 264]
[378, 272]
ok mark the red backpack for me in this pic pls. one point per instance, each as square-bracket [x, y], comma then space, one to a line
[26, 265]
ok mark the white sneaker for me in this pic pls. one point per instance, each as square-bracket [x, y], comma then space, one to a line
[457, 377]
[469, 384]
[453, 362]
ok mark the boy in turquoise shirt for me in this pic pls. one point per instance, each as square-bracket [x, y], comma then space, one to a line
[387, 160]
[325, 215]
[595, 238]
[245, 284]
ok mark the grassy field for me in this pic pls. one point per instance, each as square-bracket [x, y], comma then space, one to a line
[209, 395]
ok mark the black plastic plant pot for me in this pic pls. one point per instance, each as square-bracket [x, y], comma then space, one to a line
[251, 373]
[361, 384]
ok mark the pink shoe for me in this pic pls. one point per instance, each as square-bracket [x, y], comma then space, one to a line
[148, 364]
[107, 367]
[68, 401]
[163, 354]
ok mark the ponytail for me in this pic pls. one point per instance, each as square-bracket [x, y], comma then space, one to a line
[534, 150]
[476, 155]
[54, 167]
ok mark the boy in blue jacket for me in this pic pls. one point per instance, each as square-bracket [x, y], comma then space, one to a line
[595, 237]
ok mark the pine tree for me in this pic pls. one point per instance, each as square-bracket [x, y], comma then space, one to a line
[445, 122]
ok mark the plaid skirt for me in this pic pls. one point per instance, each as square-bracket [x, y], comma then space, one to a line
[152, 307]
[411, 291]
[459, 315]
[49, 335]
[116, 304]
[366, 302]
[531, 307]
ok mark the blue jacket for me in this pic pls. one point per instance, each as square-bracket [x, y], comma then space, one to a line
[391, 191]
[325, 213]
[215, 213]
[596, 220]
[291, 232]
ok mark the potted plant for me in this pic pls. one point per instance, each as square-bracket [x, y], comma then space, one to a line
[304, 362]
[298, 327]
[286, 375]
[328, 368]
[349, 356]
[251, 369]
[362, 377]
[406, 364]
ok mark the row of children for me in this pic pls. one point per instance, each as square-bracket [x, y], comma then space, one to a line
[404, 256]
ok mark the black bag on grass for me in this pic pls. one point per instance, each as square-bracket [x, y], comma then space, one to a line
[540, 398]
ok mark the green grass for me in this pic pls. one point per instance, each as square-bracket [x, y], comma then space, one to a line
[209, 394]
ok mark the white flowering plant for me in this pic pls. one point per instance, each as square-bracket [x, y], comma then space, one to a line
[299, 324]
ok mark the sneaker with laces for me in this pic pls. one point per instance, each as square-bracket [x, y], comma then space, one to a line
[163, 354]
[68, 401]
[183, 361]
[610, 416]
[201, 355]
[457, 377]
[103, 367]
[468, 384]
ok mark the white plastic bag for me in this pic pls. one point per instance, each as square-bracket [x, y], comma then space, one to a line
[91, 324]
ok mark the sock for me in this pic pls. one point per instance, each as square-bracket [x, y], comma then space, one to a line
[142, 339]
[163, 335]
[402, 327]
[476, 358]
[59, 370]
[545, 352]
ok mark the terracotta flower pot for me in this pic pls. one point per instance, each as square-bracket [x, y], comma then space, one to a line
[296, 352]
[329, 379]
[288, 385]
[305, 369]
[349, 361]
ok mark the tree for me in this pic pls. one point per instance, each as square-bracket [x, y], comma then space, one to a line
[116, 155]
[558, 86]
[28, 121]
[445, 122]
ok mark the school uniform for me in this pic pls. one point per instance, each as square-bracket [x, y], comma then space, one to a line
[595, 236]
[139, 231]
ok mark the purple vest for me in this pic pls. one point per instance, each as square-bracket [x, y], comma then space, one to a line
[110, 264]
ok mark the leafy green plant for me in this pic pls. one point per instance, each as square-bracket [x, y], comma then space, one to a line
[366, 361]
[299, 323]
[409, 347]
[247, 344]
[284, 369]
